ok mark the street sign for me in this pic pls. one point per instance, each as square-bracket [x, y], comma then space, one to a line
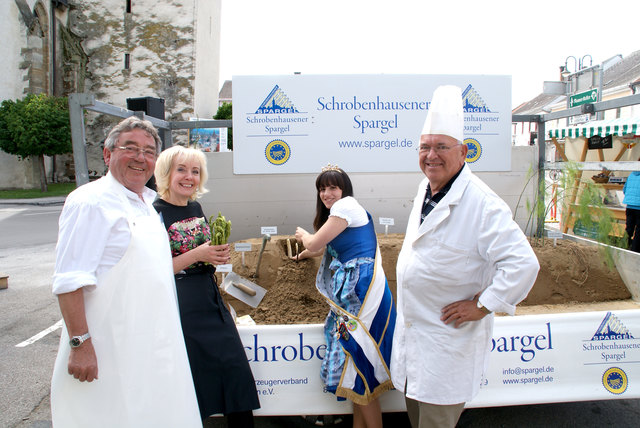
[579, 119]
[587, 97]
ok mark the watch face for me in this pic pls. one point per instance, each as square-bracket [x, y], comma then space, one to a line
[75, 342]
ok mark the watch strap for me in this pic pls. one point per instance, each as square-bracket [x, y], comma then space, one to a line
[76, 341]
[482, 307]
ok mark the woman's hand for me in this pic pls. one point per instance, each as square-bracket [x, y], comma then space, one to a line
[300, 233]
[315, 242]
[306, 254]
[214, 254]
[300, 256]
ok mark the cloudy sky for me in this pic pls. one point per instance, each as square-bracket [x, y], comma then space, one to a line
[424, 37]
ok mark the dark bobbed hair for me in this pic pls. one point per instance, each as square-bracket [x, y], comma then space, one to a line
[334, 177]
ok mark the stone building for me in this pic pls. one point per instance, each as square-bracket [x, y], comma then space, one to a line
[113, 49]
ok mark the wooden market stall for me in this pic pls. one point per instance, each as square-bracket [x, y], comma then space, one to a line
[602, 143]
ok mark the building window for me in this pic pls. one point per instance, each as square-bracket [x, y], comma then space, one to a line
[128, 6]
[126, 61]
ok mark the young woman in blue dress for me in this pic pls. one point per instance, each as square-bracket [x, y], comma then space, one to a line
[359, 327]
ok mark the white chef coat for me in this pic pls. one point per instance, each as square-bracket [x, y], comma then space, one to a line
[466, 245]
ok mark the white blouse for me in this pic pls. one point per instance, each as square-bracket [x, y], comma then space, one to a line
[94, 231]
[350, 210]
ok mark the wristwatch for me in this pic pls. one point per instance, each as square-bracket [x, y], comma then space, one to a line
[78, 340]
[482, 308]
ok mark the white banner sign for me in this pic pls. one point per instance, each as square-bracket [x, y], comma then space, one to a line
[363, 123]
[535, 359]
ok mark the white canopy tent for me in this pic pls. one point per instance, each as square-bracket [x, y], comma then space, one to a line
[623, 127]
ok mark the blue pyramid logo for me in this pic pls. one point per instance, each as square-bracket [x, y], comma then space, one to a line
[611, 328]
[473, 102]
[277, 102]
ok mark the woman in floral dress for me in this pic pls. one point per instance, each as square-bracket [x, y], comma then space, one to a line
[221, 373]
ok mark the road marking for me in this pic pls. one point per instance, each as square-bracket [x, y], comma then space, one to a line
[42, 213]
[5, 213]
[40, 335]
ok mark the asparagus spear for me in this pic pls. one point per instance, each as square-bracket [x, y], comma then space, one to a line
[220, 229]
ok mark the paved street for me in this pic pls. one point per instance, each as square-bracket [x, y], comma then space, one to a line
[27, 308]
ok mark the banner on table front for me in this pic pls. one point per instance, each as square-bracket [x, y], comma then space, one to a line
[363, 123]
[535, 359]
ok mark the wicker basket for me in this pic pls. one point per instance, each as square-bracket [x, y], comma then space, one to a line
[600, 179]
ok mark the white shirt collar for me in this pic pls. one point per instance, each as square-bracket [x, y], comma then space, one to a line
[147, 194]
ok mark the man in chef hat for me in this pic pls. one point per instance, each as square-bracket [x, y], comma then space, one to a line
[463, 259]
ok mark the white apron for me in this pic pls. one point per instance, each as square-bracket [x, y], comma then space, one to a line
[144, 378]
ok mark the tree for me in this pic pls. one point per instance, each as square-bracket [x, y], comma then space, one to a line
[37, 125]
[224, 113]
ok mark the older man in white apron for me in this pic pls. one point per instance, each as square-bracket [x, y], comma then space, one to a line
[122, 360]
[463, 258]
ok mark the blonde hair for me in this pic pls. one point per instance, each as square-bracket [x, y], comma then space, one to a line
[165, 163]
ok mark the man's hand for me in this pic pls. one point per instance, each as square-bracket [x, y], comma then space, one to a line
[83, 364]
[462, 311]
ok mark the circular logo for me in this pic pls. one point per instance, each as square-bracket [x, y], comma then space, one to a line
[277, 152]
[352, 325]
[475, 150]
[615, 380]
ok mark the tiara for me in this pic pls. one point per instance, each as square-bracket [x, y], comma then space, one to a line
[330, 167]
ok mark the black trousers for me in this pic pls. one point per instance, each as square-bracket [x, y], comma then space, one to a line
[633, 229]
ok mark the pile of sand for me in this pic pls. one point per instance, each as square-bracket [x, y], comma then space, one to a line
[571, 274]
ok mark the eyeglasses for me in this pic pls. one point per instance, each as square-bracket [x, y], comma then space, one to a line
[135, 151]
[438, 149]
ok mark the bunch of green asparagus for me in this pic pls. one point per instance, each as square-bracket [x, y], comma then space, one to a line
[220, 229]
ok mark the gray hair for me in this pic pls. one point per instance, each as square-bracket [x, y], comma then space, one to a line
[129, 124]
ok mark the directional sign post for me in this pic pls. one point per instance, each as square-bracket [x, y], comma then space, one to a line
[587, 97]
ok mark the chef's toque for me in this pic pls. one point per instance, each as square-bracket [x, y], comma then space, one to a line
[445, 115]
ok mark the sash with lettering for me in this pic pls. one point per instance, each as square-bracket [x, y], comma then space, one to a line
[359, 328]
